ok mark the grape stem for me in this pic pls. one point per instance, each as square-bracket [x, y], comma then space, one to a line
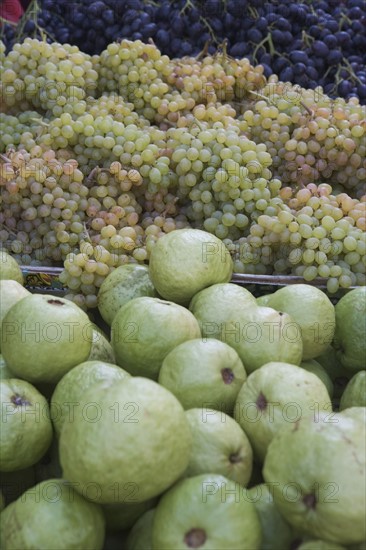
[307, 109]
[40, 121]
[344, 19]
[196, 123]
[85, 233]
[187, 5]
[253, 12]
[151, 3]
[92, 174]
[261, 96]
[204, 51]
[7, 22]
[209, 28]
[307, 39]
[349, 69]
[31, 14]
[165, 211]
[8, 230]
[267, 40]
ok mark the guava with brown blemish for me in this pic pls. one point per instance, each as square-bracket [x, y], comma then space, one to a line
[26, 429]
[220, 446]
[274, 397]
[205, 511]
[318, 476]
[44, 337]
[203, 373]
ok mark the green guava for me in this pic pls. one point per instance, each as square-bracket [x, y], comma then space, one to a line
[5, 372]
[319, 545]
[206, 511]
[339, 375]
[317, 470]
[123, 284]
[219, 306]
[123, 515]
[52, 516]
[276, 532]
[11, 292]
[26, 429]
[5, 513]
[49, 465]
[146, 433]
[355, 393]
[258, 334]
[101, 348]
[266, 335]
[263, 300]
[70, 390]
[274, 397]
[44, 337]
[2, 501]
[146, 329]
[349, 338]
[311, 365]
[219, 446]
[140, 536]
[14, 484]
[357, 413]
[185, 261]
[311, 308]
[203, 373]
[9, 268]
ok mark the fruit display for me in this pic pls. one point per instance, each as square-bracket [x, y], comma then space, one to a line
[197, 431]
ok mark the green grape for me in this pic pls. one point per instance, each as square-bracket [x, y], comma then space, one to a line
[310, 273]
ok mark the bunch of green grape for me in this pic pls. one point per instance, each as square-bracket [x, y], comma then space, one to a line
[103, 155]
